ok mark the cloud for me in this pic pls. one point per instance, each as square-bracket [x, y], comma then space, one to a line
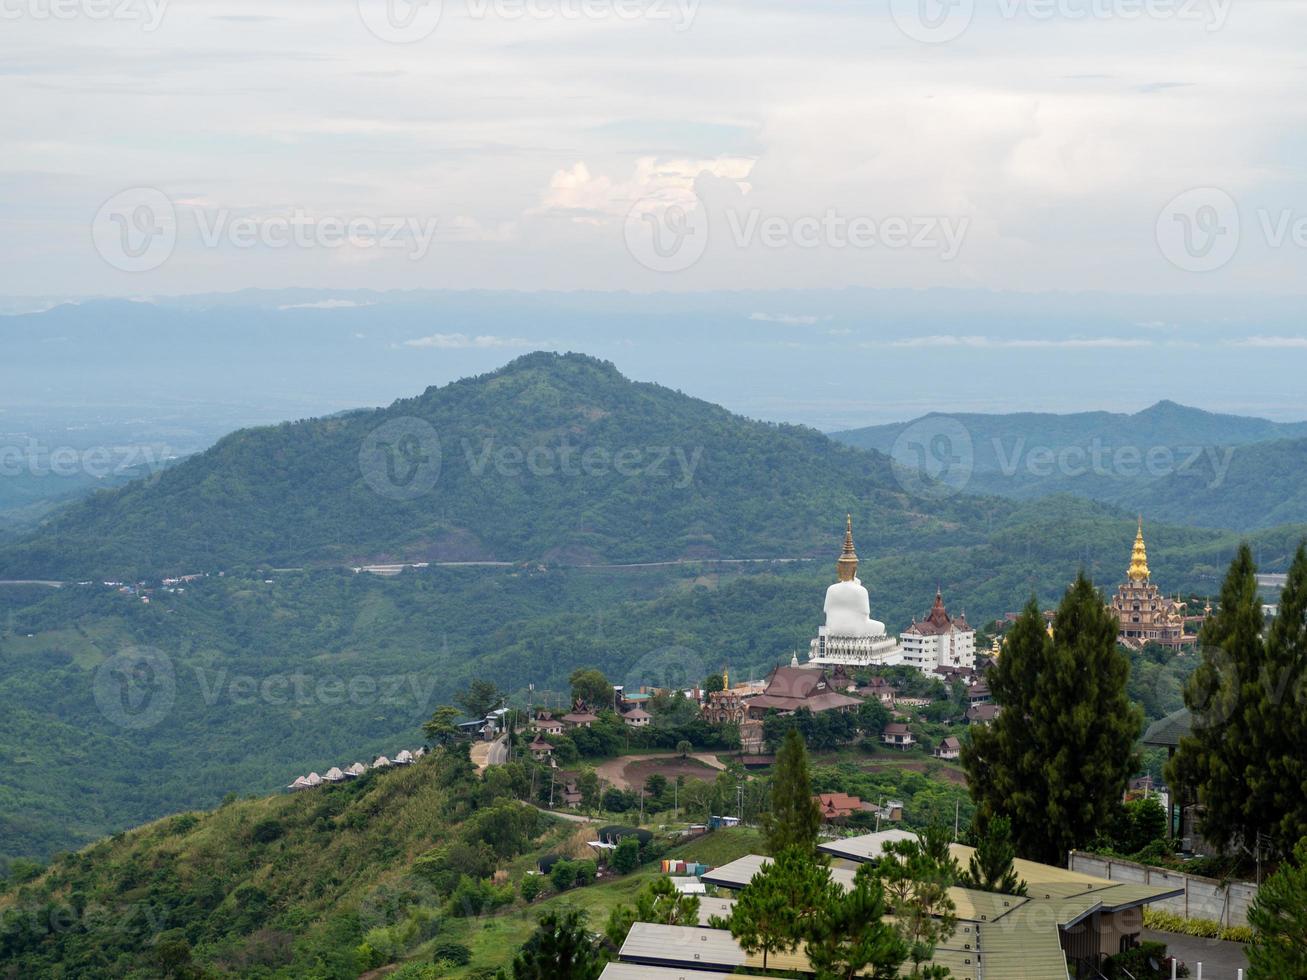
[1272, 343]
[325, 304]
[461, 341]
[786, 318]
[953, 340]
[653, 184]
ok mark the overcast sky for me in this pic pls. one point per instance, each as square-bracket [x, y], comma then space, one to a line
[1134, 145]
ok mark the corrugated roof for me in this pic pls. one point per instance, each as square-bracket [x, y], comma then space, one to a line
[709, 907]
[691, 946]
[1023, 946]
[637, 971]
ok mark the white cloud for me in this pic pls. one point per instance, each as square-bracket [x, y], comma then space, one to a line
[951, 340]
[325, 304]
[1272, 343]
[786, 318]
[461, 341]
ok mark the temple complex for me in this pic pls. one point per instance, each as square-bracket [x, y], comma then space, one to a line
[939, 641]
[850, 637]
[1144, 614]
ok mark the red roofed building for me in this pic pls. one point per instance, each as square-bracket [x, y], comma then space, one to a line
[837, 807]
[791, 688]
[939, 640]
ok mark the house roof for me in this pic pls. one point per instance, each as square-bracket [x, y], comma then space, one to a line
[580, 717]
[951, 742]
[897, 728]
[983, 712]
[1169, 730]
[637, 714]
[938, 620]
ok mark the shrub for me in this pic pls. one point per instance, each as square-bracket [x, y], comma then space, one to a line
[1164, 921]
[626, 858]
[267, 831]
[563, 874]
[531, 887]
[453, 954]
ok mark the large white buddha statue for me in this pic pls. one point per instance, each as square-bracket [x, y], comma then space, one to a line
[848, 607]
[850, 635]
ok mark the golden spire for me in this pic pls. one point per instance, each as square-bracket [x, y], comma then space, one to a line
[847, 566]
[1139, 558]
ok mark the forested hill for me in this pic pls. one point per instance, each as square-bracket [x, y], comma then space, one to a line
[553, 457]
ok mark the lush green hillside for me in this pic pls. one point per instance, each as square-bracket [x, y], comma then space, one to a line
[262, 673]
[1174, 463]
[1266, 485]
[553, 458]
[326, 883]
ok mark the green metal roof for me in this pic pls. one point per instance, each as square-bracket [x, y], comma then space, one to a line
[1169, 730]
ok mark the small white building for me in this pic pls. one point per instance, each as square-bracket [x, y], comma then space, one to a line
[637, 718]
[939, 640]
[358, 769]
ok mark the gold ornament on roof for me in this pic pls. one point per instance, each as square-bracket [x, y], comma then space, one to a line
[847, 566]
[1139, 558]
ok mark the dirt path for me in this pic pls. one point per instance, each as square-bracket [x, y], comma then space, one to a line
[614, 770]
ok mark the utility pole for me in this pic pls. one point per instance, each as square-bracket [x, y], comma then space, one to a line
[641, 804]
[957, 810]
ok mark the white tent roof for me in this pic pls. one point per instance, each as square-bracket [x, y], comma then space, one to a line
[334, 775]
[381, 762]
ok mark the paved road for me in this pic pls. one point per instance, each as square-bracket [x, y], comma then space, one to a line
[570, 817]
[490, 753]
[1220, 960]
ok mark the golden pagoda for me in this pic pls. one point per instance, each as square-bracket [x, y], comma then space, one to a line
[1145, 615]
[847, 566]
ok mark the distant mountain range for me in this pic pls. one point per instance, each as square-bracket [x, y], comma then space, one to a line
[1174, 463]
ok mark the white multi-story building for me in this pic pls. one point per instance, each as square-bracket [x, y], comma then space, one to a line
[939, 640]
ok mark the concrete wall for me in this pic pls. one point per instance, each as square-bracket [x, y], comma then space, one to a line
[1204, 898]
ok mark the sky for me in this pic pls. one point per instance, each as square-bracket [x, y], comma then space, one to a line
[1137, 146]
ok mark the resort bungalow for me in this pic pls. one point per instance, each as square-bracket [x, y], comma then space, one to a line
[898, 735]
[950, 748]
[637, 718]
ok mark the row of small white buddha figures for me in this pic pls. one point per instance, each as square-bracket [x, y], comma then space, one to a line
[337, 775]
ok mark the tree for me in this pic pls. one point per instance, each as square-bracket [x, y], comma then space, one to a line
[991, 867]
[849, 936]
[442, 727]
[656, 785]
[626, 856]
[917, 875]
[1058, 756]
[480, 698]
[660, 902]
[1279, 919]
[592, 687]
[714, 683]
[1244, 753]
[684, 748]
[795, 817]
[559, 949]
[773, 911]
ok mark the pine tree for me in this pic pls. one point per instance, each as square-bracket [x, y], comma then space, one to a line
[795, 817]
[991, 867]
[774, 910]
[559, 949]
[1059, 754]
[1279, 919]
[1239, 735]
[659, 901]
[849, 937]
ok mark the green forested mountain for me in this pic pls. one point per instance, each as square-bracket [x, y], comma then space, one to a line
[1172, 462]
[257, 658]
[553, 457]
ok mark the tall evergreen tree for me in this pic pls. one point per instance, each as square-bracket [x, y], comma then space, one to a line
[1238, 733]
[1057, 758]
[991, 867]
[559, 949]
[795, 817]
[774, 911]
[1279, 919]
[850, 936]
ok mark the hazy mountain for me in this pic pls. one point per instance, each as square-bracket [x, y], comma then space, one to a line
[1176, 463]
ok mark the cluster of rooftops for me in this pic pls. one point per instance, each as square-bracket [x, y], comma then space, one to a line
[1066, 915]
[337, 775]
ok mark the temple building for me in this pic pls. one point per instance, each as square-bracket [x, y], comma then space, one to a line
[850, 636]
[1144, 614]
[939, 641]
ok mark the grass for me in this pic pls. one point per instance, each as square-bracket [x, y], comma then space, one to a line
[494, 939]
